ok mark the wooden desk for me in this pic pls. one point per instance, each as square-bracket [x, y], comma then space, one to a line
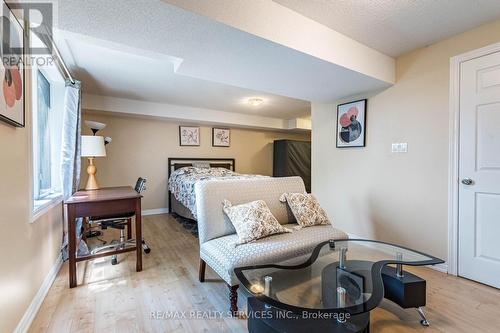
[105, 201]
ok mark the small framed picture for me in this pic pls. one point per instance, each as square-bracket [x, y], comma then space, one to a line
[351, 124]
[221, 137]
[189, 136]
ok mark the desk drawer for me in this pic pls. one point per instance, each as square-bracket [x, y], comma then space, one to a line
[114, 207]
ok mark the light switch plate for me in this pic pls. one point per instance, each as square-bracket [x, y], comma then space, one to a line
[399, 147]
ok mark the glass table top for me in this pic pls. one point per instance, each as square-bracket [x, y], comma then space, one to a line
[337, 276]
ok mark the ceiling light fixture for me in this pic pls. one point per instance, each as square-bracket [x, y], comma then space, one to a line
[255, 101]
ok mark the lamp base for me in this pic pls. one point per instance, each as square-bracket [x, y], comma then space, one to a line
[91, 171]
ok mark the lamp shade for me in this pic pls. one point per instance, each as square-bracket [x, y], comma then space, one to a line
[93, 146]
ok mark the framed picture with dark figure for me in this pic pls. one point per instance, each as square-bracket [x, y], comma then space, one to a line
[351, 124]
[221, 137]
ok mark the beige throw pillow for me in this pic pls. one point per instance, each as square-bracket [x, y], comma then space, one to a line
[305, 208]
[252, 220]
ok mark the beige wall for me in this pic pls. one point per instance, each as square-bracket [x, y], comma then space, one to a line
[142, 146]
[400, 198]
[27, 250]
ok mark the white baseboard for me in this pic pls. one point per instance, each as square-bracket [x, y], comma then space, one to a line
[29, 315]
[443, 268]
[155, 211]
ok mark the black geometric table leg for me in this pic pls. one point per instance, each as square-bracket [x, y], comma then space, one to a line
[424, 320]
[406, 289]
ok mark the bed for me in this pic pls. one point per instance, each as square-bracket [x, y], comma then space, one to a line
[184, 173]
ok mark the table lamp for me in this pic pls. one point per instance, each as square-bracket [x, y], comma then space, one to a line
[92, 146]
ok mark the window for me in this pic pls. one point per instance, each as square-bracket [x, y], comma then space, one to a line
[47, 112]
[43, 186]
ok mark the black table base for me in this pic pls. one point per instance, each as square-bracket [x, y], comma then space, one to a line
[263, 319]
[408, 291]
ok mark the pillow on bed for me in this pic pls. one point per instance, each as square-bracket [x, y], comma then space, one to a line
[252, 220]
[305, 208]
[201, 165]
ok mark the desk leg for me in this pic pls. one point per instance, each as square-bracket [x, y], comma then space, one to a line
[129, 228]
[138, 235]
[72, 246]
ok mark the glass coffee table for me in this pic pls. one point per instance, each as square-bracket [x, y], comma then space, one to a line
[334, 287]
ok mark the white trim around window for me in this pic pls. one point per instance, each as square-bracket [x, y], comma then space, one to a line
[53, 197]
[40, 207]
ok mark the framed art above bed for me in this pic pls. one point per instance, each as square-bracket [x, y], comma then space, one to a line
[221, 137]
[189, 136]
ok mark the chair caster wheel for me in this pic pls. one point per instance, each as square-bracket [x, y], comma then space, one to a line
[147, 250]
[424, 323]
[114, 261]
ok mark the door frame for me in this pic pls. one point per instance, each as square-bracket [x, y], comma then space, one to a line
[454, 150]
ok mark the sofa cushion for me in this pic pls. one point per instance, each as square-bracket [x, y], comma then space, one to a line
[252, 220]
[222, 255]
[305, 208]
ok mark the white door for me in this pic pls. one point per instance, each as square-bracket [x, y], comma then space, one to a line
[479, 170]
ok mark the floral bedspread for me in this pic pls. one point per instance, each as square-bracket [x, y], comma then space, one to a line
[182, 181]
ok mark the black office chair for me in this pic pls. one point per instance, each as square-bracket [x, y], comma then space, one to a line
[120, 222]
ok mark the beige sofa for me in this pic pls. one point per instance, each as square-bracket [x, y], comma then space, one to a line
[217, 235]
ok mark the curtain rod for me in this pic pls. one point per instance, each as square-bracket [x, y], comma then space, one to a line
[65, 71]
[60, 60]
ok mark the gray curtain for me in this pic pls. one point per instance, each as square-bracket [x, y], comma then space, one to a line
[71, 154]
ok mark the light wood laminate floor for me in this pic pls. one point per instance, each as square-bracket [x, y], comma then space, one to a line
[117, 299]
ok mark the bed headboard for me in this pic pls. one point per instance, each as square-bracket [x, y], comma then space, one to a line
[181, 162]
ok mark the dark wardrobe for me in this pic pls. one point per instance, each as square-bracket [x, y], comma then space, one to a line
[293, 158]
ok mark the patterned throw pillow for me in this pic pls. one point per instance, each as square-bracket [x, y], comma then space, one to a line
[252, 220]
[305, 208]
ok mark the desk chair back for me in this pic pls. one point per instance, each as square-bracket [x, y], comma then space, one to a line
[140, 185]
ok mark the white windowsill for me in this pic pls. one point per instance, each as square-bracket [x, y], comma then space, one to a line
[40, 207]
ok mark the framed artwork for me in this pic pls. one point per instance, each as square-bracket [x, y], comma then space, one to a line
[221, 137]
[351, 124]
[12, 70]
[189, 136]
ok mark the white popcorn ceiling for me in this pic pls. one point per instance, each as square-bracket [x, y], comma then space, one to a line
[394, 27]
[105, 43]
